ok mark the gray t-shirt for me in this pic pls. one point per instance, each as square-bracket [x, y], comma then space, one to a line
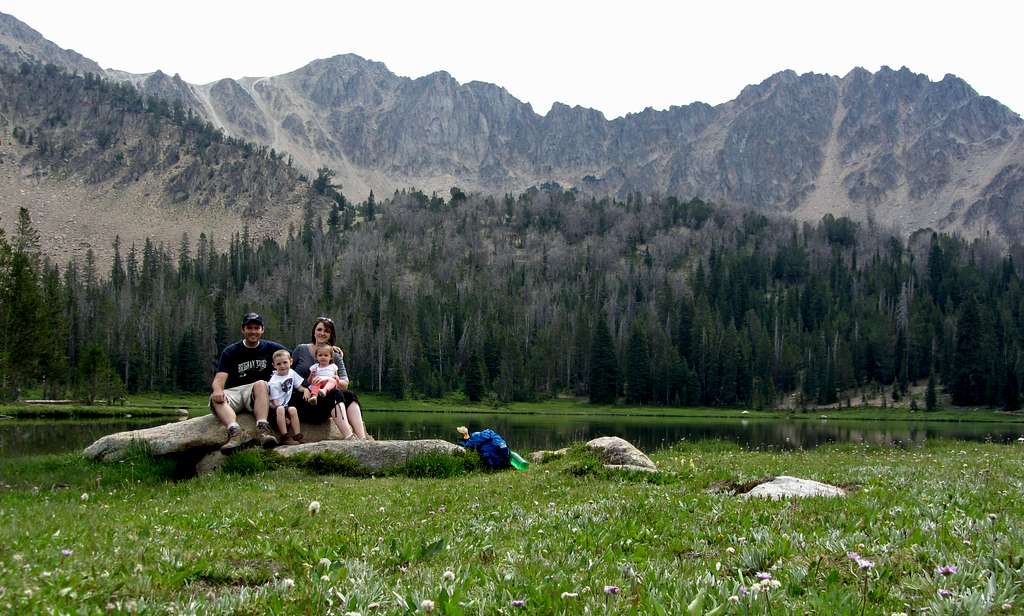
[302, 360]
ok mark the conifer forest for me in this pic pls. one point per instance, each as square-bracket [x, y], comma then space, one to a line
[651, 300]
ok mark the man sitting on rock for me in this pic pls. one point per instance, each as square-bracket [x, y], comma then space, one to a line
[241, 384]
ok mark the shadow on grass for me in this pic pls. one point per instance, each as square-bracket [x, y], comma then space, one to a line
[435, 465]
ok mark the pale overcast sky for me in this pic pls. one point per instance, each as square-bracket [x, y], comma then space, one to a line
[618, 57]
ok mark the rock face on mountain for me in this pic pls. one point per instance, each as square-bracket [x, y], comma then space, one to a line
[893, 146]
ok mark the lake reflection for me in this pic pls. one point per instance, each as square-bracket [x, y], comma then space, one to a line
[530, 432]
[39, 436]
[533, 432]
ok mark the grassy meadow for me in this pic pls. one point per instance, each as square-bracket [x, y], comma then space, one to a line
[937, 529]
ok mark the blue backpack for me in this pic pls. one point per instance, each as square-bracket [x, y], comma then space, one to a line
[491, 447]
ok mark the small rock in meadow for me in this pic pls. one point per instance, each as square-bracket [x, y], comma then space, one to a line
[619, 451]
[786, 487]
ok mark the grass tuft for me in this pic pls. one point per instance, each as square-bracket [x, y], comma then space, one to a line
[438, 465]
[328, 463]
[251, 462]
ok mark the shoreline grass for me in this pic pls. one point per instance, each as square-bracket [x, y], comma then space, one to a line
[124, 537]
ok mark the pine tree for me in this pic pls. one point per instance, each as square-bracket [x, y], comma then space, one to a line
[684, 330]
[188, 365]
[638, 367]
[931, 395]
[94, 375]
[604, 366]
[474, 379]
[117, 273]
[370, 209]
[969, 384]
[26, 238]
[220, 324]
[24, 324]
[1011, 389]
[394, 377]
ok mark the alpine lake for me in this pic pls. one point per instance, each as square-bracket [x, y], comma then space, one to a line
[649, 428]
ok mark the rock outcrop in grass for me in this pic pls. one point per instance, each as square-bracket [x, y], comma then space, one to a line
[784, 486]
[614, 452]
[367, 457]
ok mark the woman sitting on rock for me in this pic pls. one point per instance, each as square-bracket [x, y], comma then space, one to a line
[341, 404]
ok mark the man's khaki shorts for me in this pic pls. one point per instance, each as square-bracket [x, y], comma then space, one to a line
[238, 398]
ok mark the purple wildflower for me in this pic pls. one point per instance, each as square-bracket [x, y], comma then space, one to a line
[611, 590]
[67, 552]
[946, 570]
[945, 594]
[743, 591]
[863, 563]
[762, 575]
[518, 602]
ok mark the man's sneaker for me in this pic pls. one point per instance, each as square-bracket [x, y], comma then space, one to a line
[235, 440]
[289, 440]
[265, 436]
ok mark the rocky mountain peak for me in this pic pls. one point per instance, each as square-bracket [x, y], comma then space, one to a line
[20, 42]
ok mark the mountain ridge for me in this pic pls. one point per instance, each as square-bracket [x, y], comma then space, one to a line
[892, 146]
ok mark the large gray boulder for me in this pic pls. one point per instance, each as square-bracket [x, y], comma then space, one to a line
[375, 456]
[616, 454]
[192, 435]
[615, 451]
[788, 487]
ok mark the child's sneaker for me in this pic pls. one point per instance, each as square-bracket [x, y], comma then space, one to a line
[299, 438]
[289, 440]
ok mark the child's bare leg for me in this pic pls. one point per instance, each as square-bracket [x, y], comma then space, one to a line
[282, 426]
[293, 415]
